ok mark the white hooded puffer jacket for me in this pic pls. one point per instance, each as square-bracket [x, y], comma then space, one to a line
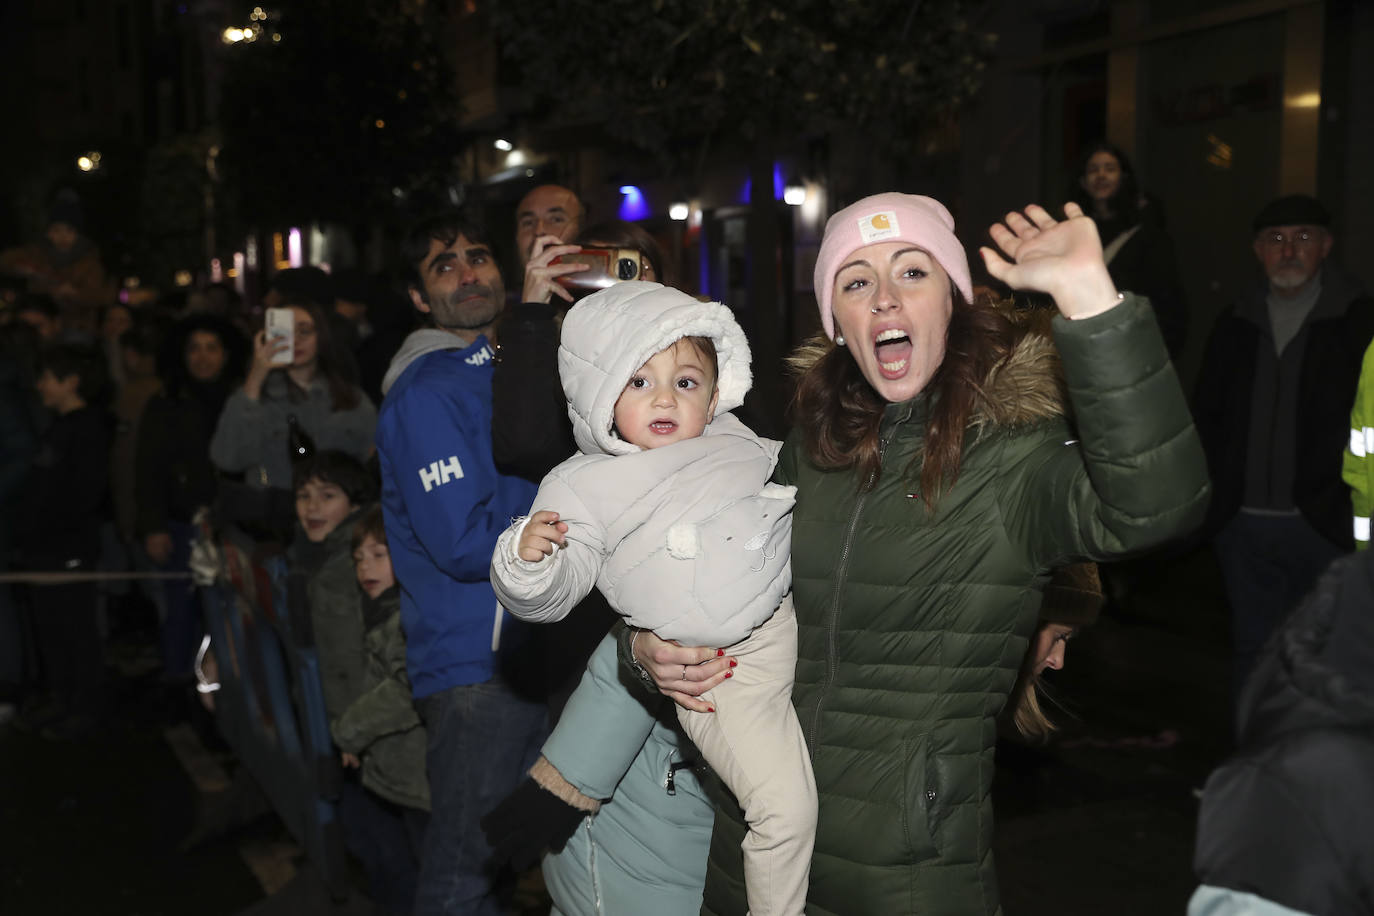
[689, 540]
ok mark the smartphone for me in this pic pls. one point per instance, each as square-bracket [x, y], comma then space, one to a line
[280, 325]
[607, 266]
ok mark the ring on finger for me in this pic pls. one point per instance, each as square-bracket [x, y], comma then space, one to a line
[684, 672]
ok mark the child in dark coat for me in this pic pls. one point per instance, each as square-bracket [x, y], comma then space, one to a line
[59, 518]
[380, 733]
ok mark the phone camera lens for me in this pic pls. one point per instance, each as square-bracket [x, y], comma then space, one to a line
[626, 269]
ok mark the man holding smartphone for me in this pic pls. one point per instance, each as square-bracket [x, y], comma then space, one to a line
[444, 504]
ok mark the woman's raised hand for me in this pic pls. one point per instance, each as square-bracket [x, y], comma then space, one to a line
[682, 674]
[541, 277]
[1062, 258]
[264, 351]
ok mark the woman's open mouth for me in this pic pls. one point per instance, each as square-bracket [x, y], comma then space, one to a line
[893, 350]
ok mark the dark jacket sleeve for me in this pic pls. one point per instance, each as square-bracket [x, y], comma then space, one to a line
[530, 430]
[1136, 477]
[70, 492]
[1146, 266]
[17, 445]
[386, 707]
[336, 617]
[1217, 412]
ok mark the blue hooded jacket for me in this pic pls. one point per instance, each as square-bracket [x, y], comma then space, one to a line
[445, 504]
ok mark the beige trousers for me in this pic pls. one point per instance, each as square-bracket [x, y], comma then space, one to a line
[754, 743]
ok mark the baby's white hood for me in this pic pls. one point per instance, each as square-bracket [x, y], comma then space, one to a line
[607, 337]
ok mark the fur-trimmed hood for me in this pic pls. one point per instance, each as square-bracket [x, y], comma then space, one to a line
[609, 335]
[1025, 388]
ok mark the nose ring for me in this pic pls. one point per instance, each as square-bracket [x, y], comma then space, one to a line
[874, 310]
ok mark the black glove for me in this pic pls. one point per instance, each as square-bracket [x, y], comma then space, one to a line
[528, 821]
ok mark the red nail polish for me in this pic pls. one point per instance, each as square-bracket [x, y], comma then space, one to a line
[729, 674]
[719, 653]
[710, 709]
[733, 663]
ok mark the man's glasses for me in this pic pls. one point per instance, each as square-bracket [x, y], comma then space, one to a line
[1303, 238]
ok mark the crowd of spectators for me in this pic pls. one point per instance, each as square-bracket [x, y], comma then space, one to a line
[394, 426]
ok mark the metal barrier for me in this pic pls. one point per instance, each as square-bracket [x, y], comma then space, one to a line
[270, 704]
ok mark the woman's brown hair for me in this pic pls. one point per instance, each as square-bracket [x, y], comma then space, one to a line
[617, 233]
[839, 414]
[1023, 704]
[330, 361]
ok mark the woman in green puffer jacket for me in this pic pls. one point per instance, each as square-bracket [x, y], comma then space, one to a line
[944, 464]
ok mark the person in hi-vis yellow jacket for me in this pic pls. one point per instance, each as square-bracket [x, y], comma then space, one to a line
[1358, 466]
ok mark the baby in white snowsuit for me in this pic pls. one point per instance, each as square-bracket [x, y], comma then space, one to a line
[668, 509]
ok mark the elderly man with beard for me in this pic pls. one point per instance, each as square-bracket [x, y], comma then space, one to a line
[444, 504]
[1272, 406]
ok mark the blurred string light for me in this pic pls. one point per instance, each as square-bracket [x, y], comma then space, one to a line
[794, 193]
[253, 31]
[679, 211]
[503, 145]
[88, 162]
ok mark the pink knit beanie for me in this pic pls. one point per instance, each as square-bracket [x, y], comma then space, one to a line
[890, 217]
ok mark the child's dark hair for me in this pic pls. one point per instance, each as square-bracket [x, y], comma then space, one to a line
[705, 347]
[339, 468]
[86, 363]
[370, 526]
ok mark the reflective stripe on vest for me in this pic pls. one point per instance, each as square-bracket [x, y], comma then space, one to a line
[1362, 441]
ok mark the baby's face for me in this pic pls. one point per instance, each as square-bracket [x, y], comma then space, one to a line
[671, 398]
[372, 562]
[321, 507]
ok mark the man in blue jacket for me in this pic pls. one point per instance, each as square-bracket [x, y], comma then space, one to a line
[445, 504]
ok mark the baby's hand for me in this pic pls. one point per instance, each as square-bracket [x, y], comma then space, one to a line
[542, 536]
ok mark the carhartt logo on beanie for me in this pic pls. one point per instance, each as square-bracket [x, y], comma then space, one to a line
[879, 226]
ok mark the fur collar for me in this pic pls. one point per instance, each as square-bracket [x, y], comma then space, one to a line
[1026, 388]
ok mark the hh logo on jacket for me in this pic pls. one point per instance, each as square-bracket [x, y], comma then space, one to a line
[440, 472]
